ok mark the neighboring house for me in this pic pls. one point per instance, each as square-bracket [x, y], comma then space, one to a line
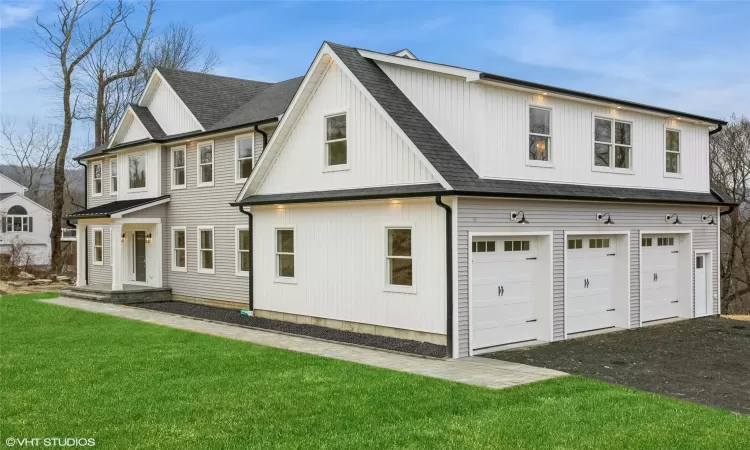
[407, 198]
[24, 226]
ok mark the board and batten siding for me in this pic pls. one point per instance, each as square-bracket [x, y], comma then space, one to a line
[169, 111]
[135, 131]
[340, 263]
[478, 215]
[488, 126]
[377, 154]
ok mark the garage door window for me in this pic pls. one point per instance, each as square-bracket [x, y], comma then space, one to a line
[663, 242]
[482, 246]
[516, 246]
[598, 243]
[646, 242]
[574, 244]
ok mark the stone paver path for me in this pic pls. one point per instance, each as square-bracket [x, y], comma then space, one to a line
[477, 371]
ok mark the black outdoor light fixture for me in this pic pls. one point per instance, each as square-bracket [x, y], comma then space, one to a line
[675, 217]
[514, 216]
[708, 219]
[148, 238]
[600, 216]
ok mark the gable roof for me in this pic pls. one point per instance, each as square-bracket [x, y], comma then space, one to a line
[4, 195]
[270, 103]
[148, 120]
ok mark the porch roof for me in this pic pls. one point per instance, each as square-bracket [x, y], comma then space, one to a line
[118, 208]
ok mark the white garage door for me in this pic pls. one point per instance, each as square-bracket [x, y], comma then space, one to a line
[502, 292]
[591, 282]
[659, 277]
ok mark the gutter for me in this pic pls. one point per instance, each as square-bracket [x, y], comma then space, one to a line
[262, 133]
[85, 206]
[250, 295]
[716, 130]
[449, 273]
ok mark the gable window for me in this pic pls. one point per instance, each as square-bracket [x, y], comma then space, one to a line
[178, 167]
[244, 147]
[336, 150]
[97, 183]
[137, 171]
[179, 251]
[540, 134]
[206, 249]
[285, 253]
[399, 257]
[612, 143]
[242, 262]
[113, 176]
[98, 246]
[17, 220]
[672, 151]
[206, 163]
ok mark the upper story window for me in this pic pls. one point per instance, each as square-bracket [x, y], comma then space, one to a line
[97, 174]
[336, 151]
[178, 167]
[612, 143]
[113, 176]
[540, 134]
[137, 171]
[18, 220]
[206, 163]
[244, 149]
[672, 151]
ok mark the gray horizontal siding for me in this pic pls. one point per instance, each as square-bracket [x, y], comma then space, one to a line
[635, 279]
[100, 274]
[106, 196]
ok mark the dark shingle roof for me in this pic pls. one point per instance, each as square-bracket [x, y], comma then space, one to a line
[211, 97]
[107, 209]
[270, 103]
[148, 121]
[4, 195]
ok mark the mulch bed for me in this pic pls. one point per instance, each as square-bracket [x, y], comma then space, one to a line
[703, 360]
[329, 334]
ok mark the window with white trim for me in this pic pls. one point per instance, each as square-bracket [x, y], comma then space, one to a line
[179, 249]
[206, 163]
[113, 176]
[206, 249]
[285, 253]
[98, 246]
[97, 178]
[17, 220]
[672, 151]
[137, 171]
[244, 151]
[336, 146]
[178, 167]
[612, 143]
[540, 133]
[399, 261]
[242, 261]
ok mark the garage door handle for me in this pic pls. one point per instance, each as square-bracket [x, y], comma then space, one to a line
[611, 254]
[532, 320]
[530, 258]
[586, 283]
[675, 251]
[656, 277]
[675, 301]
[500, 291]
[610, 310]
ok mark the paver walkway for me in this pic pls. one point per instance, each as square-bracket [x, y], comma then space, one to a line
[477, 371]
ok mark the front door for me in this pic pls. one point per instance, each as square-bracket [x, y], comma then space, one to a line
[140, 256]
[701, 292]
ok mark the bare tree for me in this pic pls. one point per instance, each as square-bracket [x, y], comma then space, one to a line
[67, 42]
[178, 47]
[31, 149]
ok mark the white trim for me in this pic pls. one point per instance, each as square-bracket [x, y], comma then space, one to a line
[164, 80]
[251, 136]
[611, 168]
[128, 113]
[119, 215]
[387, 287]
[708, 265]
[405, 53]
[718, 259]
[111, 247]
[550, 162]
[199, 249]
[336, 167]
[198, 177]
[469, 75]
[237, 271]
[173, 186]
[14, 182]
[99, 163]
[112, 192]
[93, 246]
[139, 221]
[551, 237]
[145, 171]
[454, 207]
[172, 247]
[277, 278]
[664, 152]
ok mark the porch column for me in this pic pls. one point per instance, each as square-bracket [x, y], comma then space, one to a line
[81, 255]
[116, 257]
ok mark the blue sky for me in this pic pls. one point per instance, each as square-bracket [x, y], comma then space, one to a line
[693, 57]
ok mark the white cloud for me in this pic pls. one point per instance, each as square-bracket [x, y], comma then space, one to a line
[14, 14]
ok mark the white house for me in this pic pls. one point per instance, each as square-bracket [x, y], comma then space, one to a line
[24, 226]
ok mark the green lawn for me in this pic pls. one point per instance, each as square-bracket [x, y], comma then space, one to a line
[127, 384]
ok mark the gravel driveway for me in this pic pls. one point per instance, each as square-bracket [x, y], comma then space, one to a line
[703, 360]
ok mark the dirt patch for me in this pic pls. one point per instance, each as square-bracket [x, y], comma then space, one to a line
[703, 360]
[31, 289]
[737, 317]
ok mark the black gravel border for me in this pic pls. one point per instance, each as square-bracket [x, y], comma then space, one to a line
[328, 334]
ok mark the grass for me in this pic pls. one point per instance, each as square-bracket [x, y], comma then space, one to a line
[69, 373]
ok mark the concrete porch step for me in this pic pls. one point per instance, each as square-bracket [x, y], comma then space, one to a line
[81, 295]
[129, 295]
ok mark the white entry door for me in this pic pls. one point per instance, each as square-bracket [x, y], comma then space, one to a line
[502, 291]
[701, 285]
[590, 283]
[659, 276]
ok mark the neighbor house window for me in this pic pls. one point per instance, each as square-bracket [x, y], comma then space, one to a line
[206, 249]
[178, 167]
[98, 246]
[672, 155]
[113, 176]
[18, 220]
[540, 134]
[285, 253]
[137, 171]
[612, 143]
[399, 257]
[336, 151]
[243, 251]
[179, 252]
[97, 178]
[206, 163]
[245, 154]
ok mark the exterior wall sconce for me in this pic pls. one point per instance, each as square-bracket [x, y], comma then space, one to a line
[148, 238]
[122, 238]
[601, 216]
[671, 217]
[708, 219]
[514, 216]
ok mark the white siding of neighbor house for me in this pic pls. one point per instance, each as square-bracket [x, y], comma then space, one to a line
[340, 263]
[36, 244]
[168, 110]
[492, 215]
[377, 155]
[488, 126]
[135, 130]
